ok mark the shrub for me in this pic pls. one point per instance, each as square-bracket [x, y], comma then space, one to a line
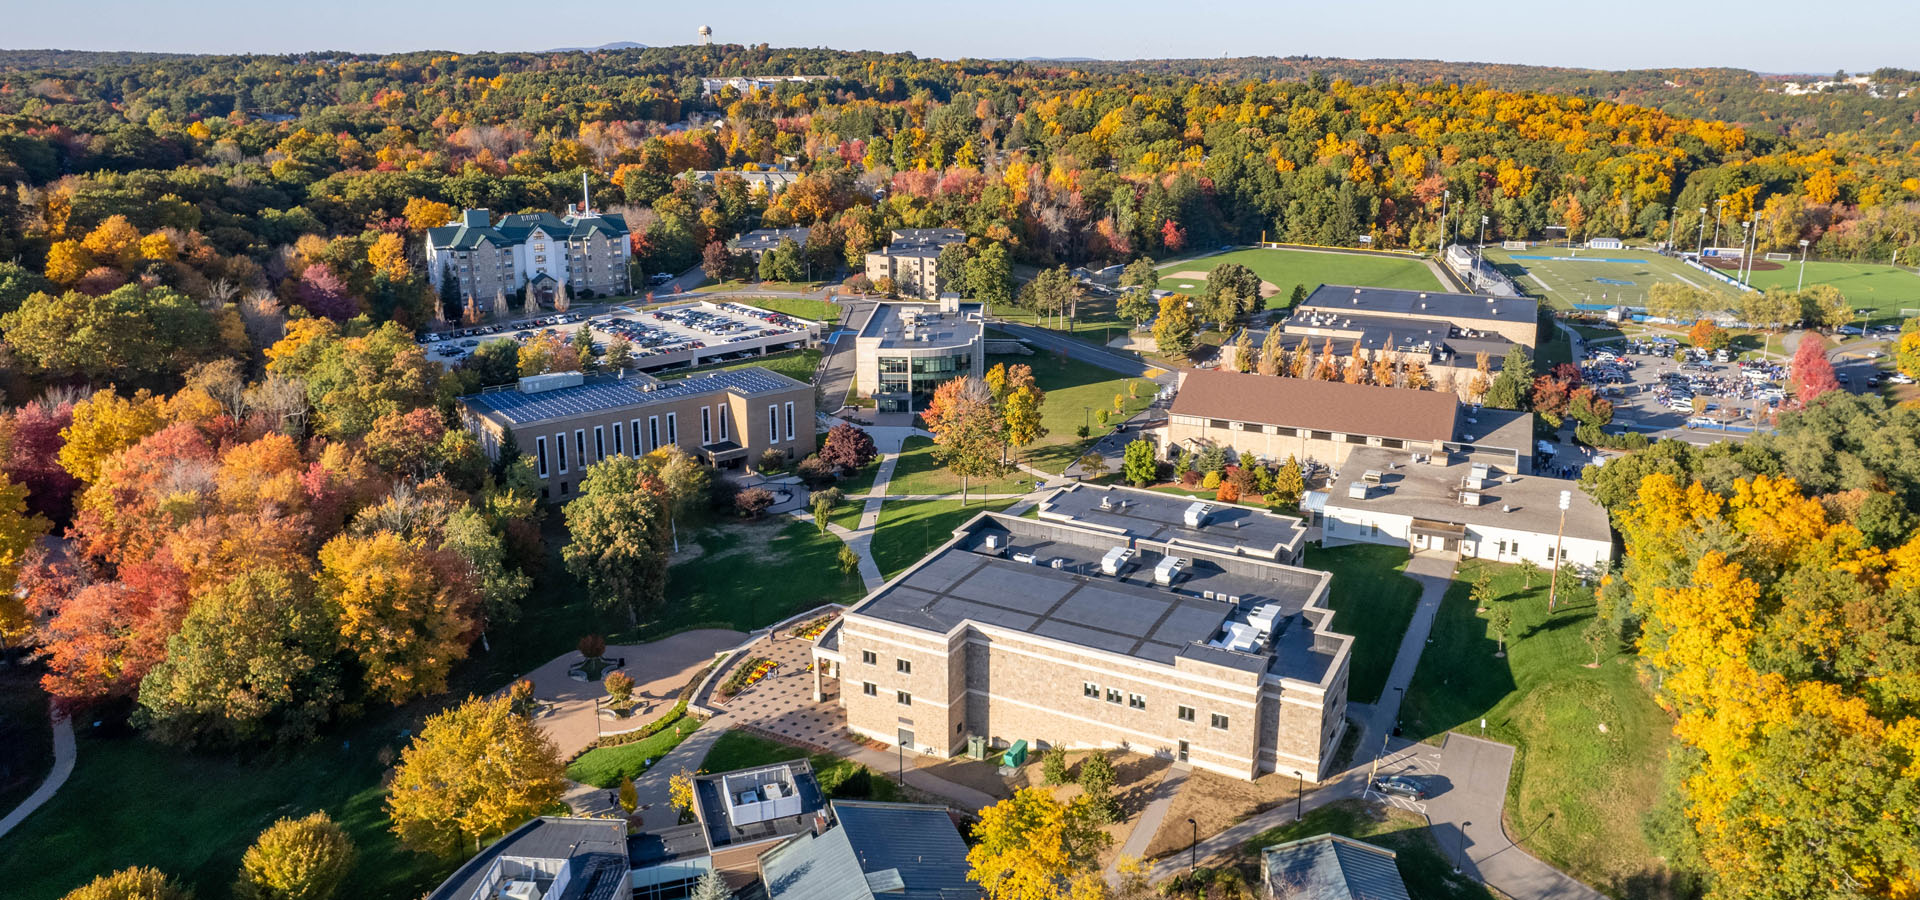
[815, 471]
[629, 798]
[737, 680]
[1211, 481]
[592, 646]
[1053, 765]
[753, 501]
[849, 560]
[1096, 784]
[772, 460]
[619, 688]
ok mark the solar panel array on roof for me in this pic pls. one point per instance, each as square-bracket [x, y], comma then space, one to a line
[601, 395]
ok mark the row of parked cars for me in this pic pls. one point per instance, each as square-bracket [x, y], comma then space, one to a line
[460, 341]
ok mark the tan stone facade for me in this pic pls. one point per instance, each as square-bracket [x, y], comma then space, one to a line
[1275, 443]
[720, 422]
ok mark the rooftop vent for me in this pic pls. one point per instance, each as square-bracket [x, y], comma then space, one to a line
[1470, 498]
[1027, 558]
[553, 381]
[1357, 490]
[1197, 514]
[1168, 570]
[1373, 476]
[992, 542]
[1116, 560]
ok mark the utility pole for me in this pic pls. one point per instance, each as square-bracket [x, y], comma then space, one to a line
[1802, 283]
[1553, 586]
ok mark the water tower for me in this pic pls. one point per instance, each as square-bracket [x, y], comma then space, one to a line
[706, 35]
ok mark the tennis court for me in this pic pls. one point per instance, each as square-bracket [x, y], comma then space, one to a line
[1569, 276]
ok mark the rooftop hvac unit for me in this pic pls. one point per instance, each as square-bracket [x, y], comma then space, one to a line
[1168, 569]
[1116, 560]
[520, 890]
[1479, 476]
[1469, 498]
[1027, 558]
[991, 542]
[1357, 490]
[1197, 514]
[1057, 562]
[1372, 476]
[1263, 616]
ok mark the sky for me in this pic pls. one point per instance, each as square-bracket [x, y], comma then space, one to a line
[1763, 35]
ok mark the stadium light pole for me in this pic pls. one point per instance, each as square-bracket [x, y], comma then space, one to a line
[1702, 243]
[1673, 231]
[1719, 207]
[1446, 218]
[1746, 230]
[1553, 585]
[1802, 283]
[1480, 252]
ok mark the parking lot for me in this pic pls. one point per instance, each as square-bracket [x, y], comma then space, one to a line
[661, 338]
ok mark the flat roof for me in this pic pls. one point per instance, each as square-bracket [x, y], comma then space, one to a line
[665, 845]
[1528, 503]
[1428, 304]
[598, 847]
[605, 393]
[708, 791]
[1331, 406]
[982, 577]
[1229, 527]
[768, 238]
[941, 330]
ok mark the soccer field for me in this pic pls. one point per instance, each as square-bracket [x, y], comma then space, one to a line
[1566, 277]
[1883, 289]
[1285, 268]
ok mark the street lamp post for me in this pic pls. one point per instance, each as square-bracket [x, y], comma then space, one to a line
[1446, 217]
[1299, 787]
[1802, 283]
[1193, 848]
[1553, 587]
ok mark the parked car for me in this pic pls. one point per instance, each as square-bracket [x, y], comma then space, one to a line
[1400, 787]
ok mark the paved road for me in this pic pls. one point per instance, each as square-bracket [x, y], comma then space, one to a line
[837, 366]
[1112, 360]
[1467, 822]
[63, 757]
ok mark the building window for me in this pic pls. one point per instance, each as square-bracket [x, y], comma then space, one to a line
[653, 433]
[1356, 438]
[725, 416]
[673, 428]
[869, 657]
[1320, 435]
[580, 446]
[1113, 696]
[1136, 701]
[789, 420]
[599, 443]
[618, 450]
[563, 489]
[706, 425]
[1089, 689]
[1186, 713]
[773, 424]
[560, 445]
[870, 689]
[903, 666]
[903, 698]
[1393, 443]
[1217, 423]
[540, 454]
[1220, 721]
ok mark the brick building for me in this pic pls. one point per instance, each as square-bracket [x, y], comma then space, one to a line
[912, 261]
[567, 422]
[585, 250]
[1118, 618]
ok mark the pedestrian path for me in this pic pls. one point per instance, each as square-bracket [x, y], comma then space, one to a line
[1150, 818]
[64, 753]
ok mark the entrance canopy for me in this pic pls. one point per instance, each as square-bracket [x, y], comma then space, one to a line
[1431, 528]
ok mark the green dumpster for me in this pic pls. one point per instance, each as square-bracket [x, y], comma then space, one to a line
[1016, 755]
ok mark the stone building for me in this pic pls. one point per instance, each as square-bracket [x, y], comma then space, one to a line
[585, 250]
[906, 350]
[912, 260]
[567, 422]
[1118, 618]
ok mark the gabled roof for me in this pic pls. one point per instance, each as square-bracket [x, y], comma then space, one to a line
[1331, 867]
[895, 851]
[467, 232]
[1332, 406]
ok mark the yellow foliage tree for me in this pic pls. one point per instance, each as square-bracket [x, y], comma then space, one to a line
[103, 425]
[1033, 847]
[406, 619]
[388, 256]
[296, 859]
[18, 532]
[67, 261]
[474, 773]
[422, 214]
[113, 242]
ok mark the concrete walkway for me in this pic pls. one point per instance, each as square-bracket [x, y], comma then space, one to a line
[1434, 573]
[1148, 825]
[570, 710]
[63, 757]
[1467, 821]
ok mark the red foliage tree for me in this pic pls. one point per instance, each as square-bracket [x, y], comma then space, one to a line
[32, 458]
[323, 294]
[1810, 372]
[101, 638]
[848, 447]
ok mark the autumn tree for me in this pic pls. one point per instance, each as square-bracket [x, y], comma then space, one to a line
[545, 353]
[1138, 464]
[1273, 354]
[1810, 372]
[19, 532]
[253, 660]
[1020, 411]
[296, 859]
[848, 447]
[619, 536]
[716, 261]
[967, 433]
[1243, 360]
[133, 333]
[1289, 485]
[405, 611]
[139, 883]
[1174, 331]
[1823, 305]
[474, 773]
[1708, 336]
[1033, 847]
[354, 380]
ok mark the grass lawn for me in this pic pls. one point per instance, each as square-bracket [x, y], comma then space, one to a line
[1591, 741]
[1285, 268]
[1096, 320]
[1884, 289]
[26, 734]
[797, 307]
[604, 767]
[798, 365]
[839, 778]
[1075, 390]
[918, 472]
[743, 284]
[727, 585]
[908, 529]
[1424, 865]
[1372, 600]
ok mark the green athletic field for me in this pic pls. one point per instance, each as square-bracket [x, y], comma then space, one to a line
[1884, 289]
[1285, 268]
[1571, 276]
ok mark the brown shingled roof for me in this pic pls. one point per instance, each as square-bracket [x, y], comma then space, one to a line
[1317, 405]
